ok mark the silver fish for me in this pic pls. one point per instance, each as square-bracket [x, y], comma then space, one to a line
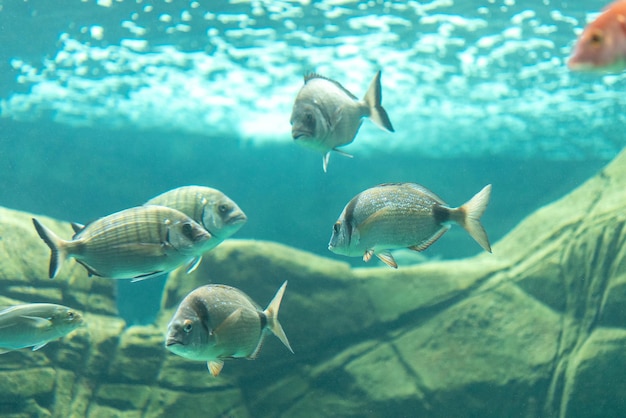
[35, 324]
[325, 115]
[218, 322]
[209, 207]
[137, 243]
[403, 215]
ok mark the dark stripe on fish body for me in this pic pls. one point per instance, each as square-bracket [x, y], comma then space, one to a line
[441, 214]
[263, 318]
[349, 216]
[200, 308]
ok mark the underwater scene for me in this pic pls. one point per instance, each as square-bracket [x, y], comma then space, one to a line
[301, 208]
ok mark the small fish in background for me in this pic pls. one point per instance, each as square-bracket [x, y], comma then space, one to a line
[602, 44]
[136, 243]
[218, 322]
[209, 207]
[402, 215]
[35, 325]
[325, 115]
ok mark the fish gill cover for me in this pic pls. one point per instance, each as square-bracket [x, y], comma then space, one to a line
[459, 77]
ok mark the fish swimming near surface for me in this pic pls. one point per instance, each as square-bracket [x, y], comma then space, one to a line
[402, 215]
[136, 243]
[218, 322]
[602, 44]
[35, 324]
[325, 115]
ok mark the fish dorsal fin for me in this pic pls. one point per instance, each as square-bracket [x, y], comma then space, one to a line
[387, 258]
[311, 76]
[367, 256]
[423, 245]
[215, 367]
[38, 346]
[193, 264]
[228, 322]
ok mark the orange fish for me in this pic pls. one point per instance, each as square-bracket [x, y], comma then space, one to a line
[602, 45]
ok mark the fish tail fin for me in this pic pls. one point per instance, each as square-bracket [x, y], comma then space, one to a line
[373, 99]
[271, 312]
[468, 216]
[58, 247]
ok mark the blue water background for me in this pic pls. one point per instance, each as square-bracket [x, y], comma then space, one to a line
[82, 171]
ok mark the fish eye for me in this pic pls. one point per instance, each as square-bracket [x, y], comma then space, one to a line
[70, 315]
[187, 326]
[223, 208]
[596, 38]
[337, 227]
[188, 230]
[310, 120]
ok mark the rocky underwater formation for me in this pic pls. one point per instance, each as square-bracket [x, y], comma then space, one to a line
[538, 328]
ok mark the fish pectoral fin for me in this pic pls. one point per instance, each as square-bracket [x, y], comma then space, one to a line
[37, 322]
[215, 367]
[345, 154]
[388, 259]
[147, 276]
[38, 346]
[368, 255]
[373, 218]
[193, 264]
[229, 321]
[423, 245]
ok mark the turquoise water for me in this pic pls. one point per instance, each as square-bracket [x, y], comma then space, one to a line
[107, 104]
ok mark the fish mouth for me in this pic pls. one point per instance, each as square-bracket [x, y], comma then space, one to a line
[239, 218]
[297, 134]
[172, 341]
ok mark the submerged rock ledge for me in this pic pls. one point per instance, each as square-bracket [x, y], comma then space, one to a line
[535, 329]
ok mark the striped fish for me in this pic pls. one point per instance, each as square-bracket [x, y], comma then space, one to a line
[402, 215]
[207, 206]
[137, 243]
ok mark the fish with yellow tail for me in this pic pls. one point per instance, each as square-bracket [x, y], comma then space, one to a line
[402, 215]
[602, 44]
[135, 243]
[35, 324]
[218, 322]
[326, 115]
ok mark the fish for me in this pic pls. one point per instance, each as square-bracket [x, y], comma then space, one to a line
[602, 44]
[135, 243]
[326, 115]
[209, 207]
[217, 322]
[35, 325]
[403, 215]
